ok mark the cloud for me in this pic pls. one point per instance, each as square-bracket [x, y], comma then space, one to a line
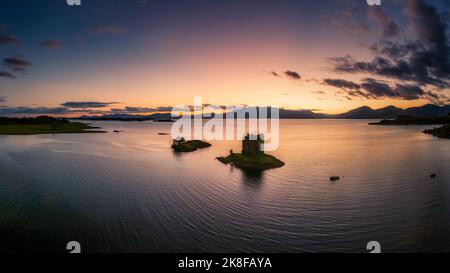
[6, 74]
[375, 89]
[87, 104]
[288, 73]
[409, 91]
[51, 44]
[113, 30]
[292, 74]
[165, 108]
[346, 20]
[7, 39]
[33, 111]
[24, 110]
[135, 110]
[2, 99]
[343, 84]
[17, 63]
[350, 88]
[423, 58]
[389, 27]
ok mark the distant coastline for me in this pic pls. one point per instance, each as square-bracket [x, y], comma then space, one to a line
[43, 125]
[413, 120]
[441, 132]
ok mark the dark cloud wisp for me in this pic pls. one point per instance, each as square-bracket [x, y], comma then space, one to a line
[292, 74]
[6, 74]
[51, 44]
[17, 63]
[274, 73]
[32, 111]
[376, 89]
[27, 111]
[87, 104]
[8, 39]
[343, 84]
[135, 110]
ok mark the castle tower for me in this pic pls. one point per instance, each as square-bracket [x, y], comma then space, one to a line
[252, 145]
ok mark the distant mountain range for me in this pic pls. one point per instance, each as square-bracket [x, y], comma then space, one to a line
[365, 112]
[392, 112]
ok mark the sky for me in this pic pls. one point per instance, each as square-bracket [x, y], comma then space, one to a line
[144, 56]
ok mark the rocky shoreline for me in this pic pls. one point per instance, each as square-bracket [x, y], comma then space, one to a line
[260, 162]
[440, 132]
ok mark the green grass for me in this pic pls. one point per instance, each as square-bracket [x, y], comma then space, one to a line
[38, 129]
[252, 163]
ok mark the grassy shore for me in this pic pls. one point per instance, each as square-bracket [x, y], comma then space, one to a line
[260, 162]
[43, 125]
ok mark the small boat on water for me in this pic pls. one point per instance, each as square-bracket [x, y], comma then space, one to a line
[335, 178]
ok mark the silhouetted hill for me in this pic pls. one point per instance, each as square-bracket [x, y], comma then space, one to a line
[428, 110]
[365, 112]
[369, 113]
[284, 113]
[392, 112]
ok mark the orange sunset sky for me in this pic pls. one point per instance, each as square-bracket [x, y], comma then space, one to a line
[331, 56]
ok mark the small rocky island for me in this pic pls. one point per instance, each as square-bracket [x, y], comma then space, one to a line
[183, 146]
[43, 125]
[441, 132]
[252, 157]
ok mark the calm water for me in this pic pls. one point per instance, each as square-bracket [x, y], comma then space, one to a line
[128, 192]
